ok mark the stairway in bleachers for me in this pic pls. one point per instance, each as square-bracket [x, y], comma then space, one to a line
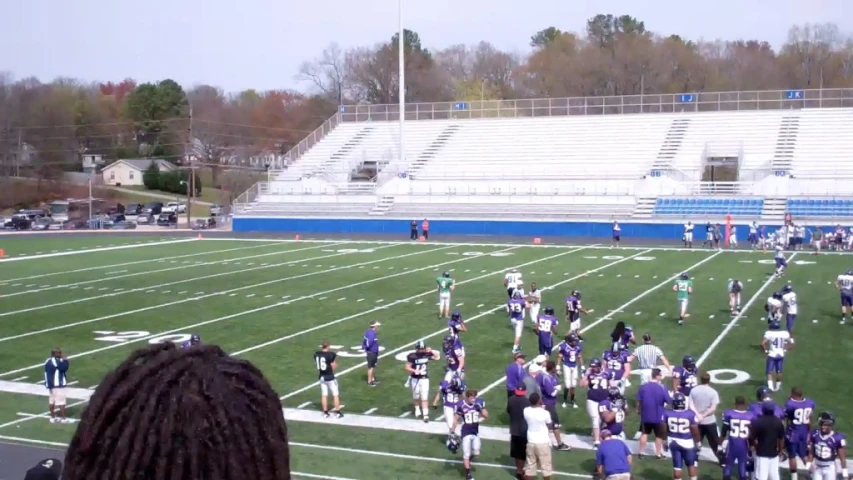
[671, 144]
[786, 143]
[432, 149]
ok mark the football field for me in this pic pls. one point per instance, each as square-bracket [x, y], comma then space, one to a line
[273, 302]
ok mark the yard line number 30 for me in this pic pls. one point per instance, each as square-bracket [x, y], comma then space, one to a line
[121, 337]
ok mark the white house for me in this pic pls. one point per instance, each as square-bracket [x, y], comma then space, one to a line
[129, 172]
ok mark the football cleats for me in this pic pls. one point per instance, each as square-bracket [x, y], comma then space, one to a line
[825, 422]
[452, 444]
[762, 393]
[688, 363]
[549, 310]
[679, 401]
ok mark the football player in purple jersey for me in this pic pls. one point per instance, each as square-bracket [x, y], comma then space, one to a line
[573, 313]
[735, 448]
[685, 377]
[193, 341]
[454, 353]
[764, 394]
[545, 329]
[798, 413]
[570, 358]
[456, 325]
[681, 433]
[515, 307]
[825, 447]
[598, 381]
[470, 412]
[615, 360]
[449, 393]
[613, 412]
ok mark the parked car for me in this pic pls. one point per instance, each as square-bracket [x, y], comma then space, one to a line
[74, 225]
[97, 222]
[123, 225]
[19, 221]
[167, 219]
[41, 223]
[216, 210]
[33, 213]
[154, 208]
[146, 219]
[175, 207]
[134, 209]
[203, 223]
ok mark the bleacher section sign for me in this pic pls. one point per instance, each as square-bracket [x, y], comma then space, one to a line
[460, 106]
[795, 95]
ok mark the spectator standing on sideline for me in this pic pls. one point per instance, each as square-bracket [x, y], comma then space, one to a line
[530, 382]
[651, 399]
[413, 230]
[612, 458]
[538, 439]
[370, 345]
[767, 437]
[518, 428]
[648, 355]
[55, 380]
[515, 375]
[704, 400]
[425, 229]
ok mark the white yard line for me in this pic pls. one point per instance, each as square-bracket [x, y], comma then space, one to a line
[199, 297]
[418, 458]
[27, 419]
[96, 250]
[149, 272]
[467, 320]
[734, 320]
[391, 304]
[323, 477]
[238, 314]
[178, 282]
[116, 265]
[664, 283]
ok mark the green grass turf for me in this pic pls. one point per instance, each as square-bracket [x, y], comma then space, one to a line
[333, 298]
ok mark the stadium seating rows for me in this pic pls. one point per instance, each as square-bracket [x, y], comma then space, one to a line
[747, 207]
[812, 207]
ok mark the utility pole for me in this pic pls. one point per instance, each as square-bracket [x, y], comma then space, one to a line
[19, 154]
[191, 183]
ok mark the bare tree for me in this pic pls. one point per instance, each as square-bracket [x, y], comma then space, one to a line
[326, 73]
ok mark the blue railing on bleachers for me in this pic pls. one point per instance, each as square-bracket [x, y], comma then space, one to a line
[750, 207]
[821, 207]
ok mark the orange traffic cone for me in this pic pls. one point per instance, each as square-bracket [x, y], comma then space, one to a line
[199, 236]
[297, 238]
[537, 241]
[423, 238]
[2, 253]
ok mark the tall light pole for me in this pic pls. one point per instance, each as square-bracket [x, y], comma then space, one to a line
[402, 88]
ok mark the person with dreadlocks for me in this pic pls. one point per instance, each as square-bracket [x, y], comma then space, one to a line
[191, 413]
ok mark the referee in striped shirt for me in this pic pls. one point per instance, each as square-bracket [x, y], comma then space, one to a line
[648, 355]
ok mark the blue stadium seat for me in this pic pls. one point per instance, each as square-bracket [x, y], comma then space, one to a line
[749, 207]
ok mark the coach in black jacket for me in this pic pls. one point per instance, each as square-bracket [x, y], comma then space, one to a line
[518, 428]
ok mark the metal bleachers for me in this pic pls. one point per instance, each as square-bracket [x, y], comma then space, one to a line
[741, 207]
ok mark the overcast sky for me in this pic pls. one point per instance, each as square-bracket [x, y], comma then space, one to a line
[260, 43]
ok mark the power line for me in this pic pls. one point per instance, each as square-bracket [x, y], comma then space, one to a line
[282, 129]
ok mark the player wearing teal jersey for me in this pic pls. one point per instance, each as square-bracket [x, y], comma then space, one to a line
[445, 286]
[683, 288]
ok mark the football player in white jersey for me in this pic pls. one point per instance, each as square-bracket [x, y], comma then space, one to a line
[511, 281]
[688, 235]
[733, 237]
[735, 287]
[844, 284]
[781, 261]
[775, 343]
[773, 307]
[789, 299]
[534, 301]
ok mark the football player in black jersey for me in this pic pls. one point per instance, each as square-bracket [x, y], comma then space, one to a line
[326, 362]
[417, 364]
